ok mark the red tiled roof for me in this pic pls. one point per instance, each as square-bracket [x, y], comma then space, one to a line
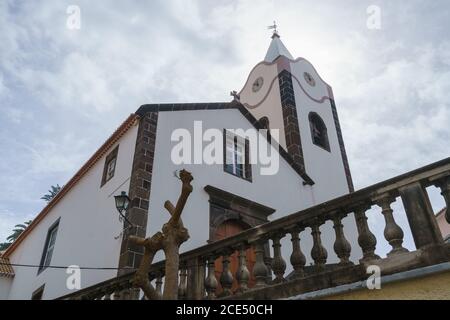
[120, 131]
[6, 269]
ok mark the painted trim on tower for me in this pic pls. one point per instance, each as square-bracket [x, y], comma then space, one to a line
[348, 174]
[276, 61]
[283, 64]
[290, 118]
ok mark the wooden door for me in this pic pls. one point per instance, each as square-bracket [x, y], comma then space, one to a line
[228, 229]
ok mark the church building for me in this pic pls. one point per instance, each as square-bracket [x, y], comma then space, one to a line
[282, 95]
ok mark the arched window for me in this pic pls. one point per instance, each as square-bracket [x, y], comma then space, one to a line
[318, 131]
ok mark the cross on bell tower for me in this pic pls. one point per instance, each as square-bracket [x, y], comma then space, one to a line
[274, 28]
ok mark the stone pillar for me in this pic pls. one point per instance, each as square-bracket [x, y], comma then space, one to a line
[422, 221]
[195, 288]
[444, 185]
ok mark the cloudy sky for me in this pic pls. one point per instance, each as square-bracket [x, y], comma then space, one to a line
[63, 91]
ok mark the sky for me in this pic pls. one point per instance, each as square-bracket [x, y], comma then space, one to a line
[63, 91]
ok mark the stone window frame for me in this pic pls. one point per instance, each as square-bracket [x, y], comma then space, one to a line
[225, 206]
[247, 168]
[38, 293]
[316, 121]
[110, 157]
[53, 228]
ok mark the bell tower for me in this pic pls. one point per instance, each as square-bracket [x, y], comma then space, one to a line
[289, 95]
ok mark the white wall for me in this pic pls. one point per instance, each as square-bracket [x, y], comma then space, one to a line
[88, 224]
[266, 102]
[325, 168]
[284, 191]
[5, 286]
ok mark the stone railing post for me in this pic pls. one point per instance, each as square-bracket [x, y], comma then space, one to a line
[297, 259]
[341, 246]
[444, 185]
[107, 295]
[242, 273]
[117, 295]
[182, 287]
[195, 287]
[259, 269]
[158, 284]
[422, 222]
[226, 278]
[392, 232]
[318, 251]
[211, 281]
[278, 263]
[366, 239]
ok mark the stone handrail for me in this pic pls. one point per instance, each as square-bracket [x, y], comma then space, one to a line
[197, 267]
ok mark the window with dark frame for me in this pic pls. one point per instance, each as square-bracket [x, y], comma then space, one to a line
[237, 156]
[48, 247]
[319, 132]
[110, 166]
[38, 293]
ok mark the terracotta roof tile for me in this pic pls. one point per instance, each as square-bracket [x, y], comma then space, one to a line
[6, 269]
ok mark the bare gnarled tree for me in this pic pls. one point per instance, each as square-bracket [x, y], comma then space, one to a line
[169, 240]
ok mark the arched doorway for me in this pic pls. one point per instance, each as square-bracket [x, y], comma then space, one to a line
[227, 229]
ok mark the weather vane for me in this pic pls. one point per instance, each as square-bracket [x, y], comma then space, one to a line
[273, 27]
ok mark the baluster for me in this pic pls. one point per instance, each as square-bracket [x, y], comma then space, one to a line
[226, 278]
[341, 246]
[268, 262]
[107, 295]
[444, 185]
[242, 273]
[159, 283]
[125, 294]
[318, 251]
[298, 259]
[117, 295]
[211, 281]
[278, 263]
[259, 269]
[183, 283]
[392, 232]
[366, 239]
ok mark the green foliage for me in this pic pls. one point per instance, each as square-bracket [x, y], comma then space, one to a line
[51, 193]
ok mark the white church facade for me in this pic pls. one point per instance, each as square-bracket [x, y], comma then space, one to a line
[80, 226]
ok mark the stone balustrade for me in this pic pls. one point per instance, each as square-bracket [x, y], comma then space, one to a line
[268, 278]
